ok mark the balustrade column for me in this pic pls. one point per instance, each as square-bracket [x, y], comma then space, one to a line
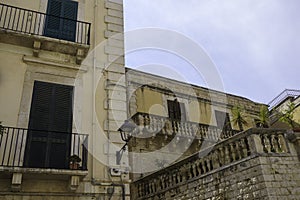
[282, 143]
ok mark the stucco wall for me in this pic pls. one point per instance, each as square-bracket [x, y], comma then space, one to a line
[12, 72]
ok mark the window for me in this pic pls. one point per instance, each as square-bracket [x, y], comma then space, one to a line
[61, 19]
[176, 110]
[223, 120]
[50, 126]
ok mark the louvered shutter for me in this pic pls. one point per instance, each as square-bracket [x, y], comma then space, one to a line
[37, 138]
[50, 125]
[176, 110]
[53, 20]
[61, 125]
[171, 110]
[61, 20]
[69, 24]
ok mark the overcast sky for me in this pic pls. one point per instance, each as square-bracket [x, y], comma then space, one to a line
[254, 44]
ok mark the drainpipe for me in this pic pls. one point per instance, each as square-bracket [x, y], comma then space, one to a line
[93, 88]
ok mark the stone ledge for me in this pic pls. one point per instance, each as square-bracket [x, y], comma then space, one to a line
[38, 43]
[74, 176]
[48, 62]
[43, 171]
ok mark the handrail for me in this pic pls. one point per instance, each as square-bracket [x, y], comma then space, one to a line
[283, 95]
[15, 145]
[35, 23]
[160, 124]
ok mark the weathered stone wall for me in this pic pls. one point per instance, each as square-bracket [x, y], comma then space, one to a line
[172, 140]
[270, 169]
[250, 179]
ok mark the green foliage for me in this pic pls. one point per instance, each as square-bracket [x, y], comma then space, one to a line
[239, 117]
[287, 116]
[263, 117]
[75, 159]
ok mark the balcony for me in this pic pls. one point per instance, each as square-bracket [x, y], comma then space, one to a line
[38, 149]
[154, 124]
[30, 28]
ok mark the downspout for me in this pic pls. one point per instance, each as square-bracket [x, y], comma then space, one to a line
[93, 88]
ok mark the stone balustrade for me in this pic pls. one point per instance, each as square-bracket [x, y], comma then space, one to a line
[154, 124]
[243, 146]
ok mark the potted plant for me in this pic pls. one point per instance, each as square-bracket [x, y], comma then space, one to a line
[74, 161]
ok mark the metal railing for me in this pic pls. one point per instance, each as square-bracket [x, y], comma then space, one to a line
[155, 124]
[15, 146]
[36, 23]
[282, 96]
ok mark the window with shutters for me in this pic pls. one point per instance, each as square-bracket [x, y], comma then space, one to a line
[61, 19]
[176, 110]
[50, 126]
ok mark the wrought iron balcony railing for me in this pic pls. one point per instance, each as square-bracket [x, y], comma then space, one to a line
[20, 147]
[155, 124]
[282, 96]
[36, 23]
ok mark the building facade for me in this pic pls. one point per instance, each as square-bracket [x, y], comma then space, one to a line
[175, 120]
[185, 149]
[61, 72]
[65, 93]
[286, 102]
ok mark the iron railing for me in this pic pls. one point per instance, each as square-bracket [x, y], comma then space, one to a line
[36, 23]
[282, 96]
[15, 146]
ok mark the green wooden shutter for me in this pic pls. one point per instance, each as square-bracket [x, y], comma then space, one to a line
[61, 20]
[171, 110]
[69, 26]
[37, 137]
[61, 125]
[53, 20]
[176, 110]
[50, 125]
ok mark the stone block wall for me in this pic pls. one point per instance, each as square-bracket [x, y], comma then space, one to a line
[256, 164]
[249, 179]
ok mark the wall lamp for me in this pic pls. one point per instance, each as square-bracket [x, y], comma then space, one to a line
[126, 134]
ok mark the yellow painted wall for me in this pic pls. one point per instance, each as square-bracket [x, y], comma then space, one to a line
[12, 72]
[27, 4]
[297, 115]
[150, 101]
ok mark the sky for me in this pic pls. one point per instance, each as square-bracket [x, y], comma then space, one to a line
[253, 45]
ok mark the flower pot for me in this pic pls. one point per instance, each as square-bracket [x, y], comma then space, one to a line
[74, 165]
